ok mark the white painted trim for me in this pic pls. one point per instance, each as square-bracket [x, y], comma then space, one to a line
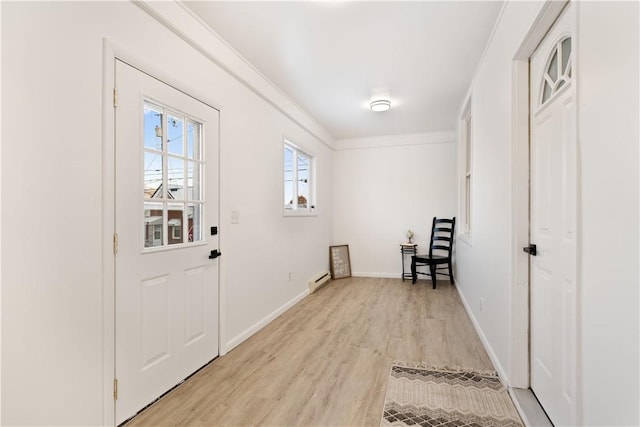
[465, 157]
[108, 230]
[0, 226]
[547, 15]
[179, 19]
[243, 336]
[387, 276]
[519, 265]
[299, 213]
[518, 405]
[396, 140]
[222, 240]
[576, 71]
[485, 342]
[377, 275]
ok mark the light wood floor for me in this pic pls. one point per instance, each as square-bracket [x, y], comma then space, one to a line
[325, 361]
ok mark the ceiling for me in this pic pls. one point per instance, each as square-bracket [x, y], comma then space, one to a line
[331, 57]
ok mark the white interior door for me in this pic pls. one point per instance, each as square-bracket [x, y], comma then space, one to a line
[553, 222]
[166, 203]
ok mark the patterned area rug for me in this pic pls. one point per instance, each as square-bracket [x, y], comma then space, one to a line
[418, 395]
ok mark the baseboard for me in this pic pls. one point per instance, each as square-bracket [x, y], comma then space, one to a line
[377, 275]
[485, 343]
[240, 338]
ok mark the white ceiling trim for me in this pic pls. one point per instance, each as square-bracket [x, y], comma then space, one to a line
[396, 140]
[184, 23]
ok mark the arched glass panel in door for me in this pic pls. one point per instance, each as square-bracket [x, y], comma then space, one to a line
[558, 71]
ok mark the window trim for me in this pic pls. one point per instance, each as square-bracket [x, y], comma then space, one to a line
[466, 176]
[311, 209]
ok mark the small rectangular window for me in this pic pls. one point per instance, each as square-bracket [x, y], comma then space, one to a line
[298, 181]
[177, 233]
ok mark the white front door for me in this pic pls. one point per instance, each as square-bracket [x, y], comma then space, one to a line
[166, 205]
[553, 222]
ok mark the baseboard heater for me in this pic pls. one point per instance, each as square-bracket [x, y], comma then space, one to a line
[318, 281]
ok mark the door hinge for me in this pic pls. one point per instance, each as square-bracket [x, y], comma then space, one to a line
[115, 96]
[115, 389]
[115, 243]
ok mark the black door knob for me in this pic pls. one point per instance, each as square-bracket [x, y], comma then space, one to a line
[214, 254]
[531, 249]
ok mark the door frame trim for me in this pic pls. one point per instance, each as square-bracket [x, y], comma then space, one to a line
[519, 316]
[111, 52]
[108, 231]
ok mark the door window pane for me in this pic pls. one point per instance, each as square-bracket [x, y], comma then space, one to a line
[153, 224]
[152, 127]
[194, 218]
[175, 215]
[194, 189]
[566, 54]
[288, 178]
[303, 181]
[175, 178]
[193, 140]
[152, 175]
[553, 68]
[175, 130]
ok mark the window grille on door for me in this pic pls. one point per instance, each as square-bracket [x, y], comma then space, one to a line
[558, 71]
[173, 177]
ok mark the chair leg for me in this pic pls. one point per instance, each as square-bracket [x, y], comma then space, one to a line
[450, 273]
[432, 268]
[414, 274]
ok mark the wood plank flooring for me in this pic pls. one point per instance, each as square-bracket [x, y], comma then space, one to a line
[325, 362]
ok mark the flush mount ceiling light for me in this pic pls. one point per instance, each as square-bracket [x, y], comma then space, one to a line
[380, 105]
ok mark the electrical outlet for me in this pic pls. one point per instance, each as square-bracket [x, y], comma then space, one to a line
[481, 303]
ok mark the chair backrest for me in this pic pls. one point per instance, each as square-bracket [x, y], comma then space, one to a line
[442, 233]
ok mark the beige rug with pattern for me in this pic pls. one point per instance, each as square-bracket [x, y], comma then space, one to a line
[418, 395]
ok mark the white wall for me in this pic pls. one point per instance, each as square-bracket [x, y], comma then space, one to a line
[52, 306]
[608, 120]
[385, 186]
[607, 34]
[0, 225]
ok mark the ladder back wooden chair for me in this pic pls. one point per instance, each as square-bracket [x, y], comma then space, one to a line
[440, 251]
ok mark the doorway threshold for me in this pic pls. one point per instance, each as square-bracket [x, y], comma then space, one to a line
[529, 408]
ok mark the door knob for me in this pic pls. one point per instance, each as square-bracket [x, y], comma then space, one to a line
[531, 249]
[214, 254]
